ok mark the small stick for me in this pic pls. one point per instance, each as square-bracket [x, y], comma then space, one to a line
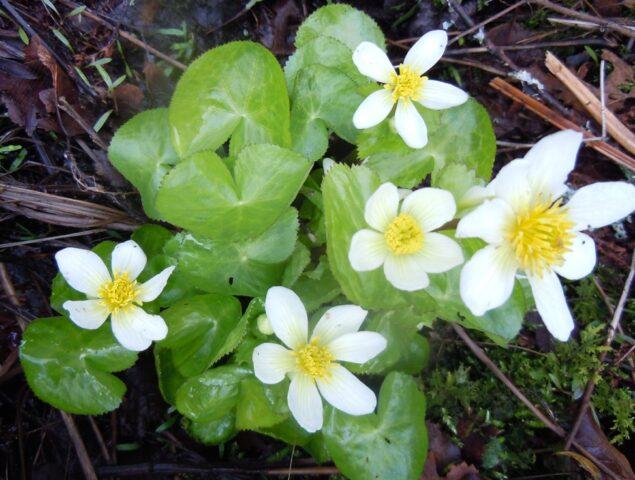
[100, 439]
[590, 386]
[595, 107]
[530, 46]
[486, 21]
[80, 448]
[561, 122]
[64, 105]
[56, 237]
[557, 429]
[128, 36]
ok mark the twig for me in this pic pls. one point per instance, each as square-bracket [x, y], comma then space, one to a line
[616, 27]
[590, 386]
[64, 105]
[100, 439]
[557, 429]
[80, 448]
[561, 122]
[531, 46]
[476, 64]
[479, 25]
[175, 469]
[56, 237]
[128, 36]
[595, 107]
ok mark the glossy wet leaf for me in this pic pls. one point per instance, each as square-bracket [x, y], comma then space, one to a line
[71, 368]
[202, 329]
[260, 405]
[204, 196]
[169, 378]
[237, 90]
[389, 444]
[247, 267]
[142, 151]
[212, 432]
[462, 134]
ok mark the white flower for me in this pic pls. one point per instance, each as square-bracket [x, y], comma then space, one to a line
[311, 363]
[405, 87]
[118, 296]
[529, 228]
[403, 240]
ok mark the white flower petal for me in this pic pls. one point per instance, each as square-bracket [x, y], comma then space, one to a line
[338, 321]
[431, 207]
[410, 125]
[372, 62]
[83, 270]
[578, 262]
[381, 207]
[135, 329]
[427, 51]
[601, 204]
[512, 184]
[90, 314]
[487, 279]
[440, 95]
[287, 316]
[487, 221]
[368, 250]
[357, 347]
[552, 305]
[374, 109]
[127, 257]
[272, 362]
[439, 253]
[551, 160]
[152, 288]
[405, 272]
[346, 392]
[305, 403]
[474, 196]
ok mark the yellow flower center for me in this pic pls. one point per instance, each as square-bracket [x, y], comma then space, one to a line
[404, 235]
[406, 85]
[314, 360]
[118, 293]
[540, 236]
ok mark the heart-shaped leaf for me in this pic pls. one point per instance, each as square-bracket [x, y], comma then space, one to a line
[213, 432]
[390, 444]
[142, 151]
[202, 195]
[201, 330]
[70, 367]
[236, 89]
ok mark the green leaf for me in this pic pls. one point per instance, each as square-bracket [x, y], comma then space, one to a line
[461, 134]
[201, 330]
[70, 367]
[345, 192]
[457, 179]
[324, 99]
[212, 432]
[260, 405]
[236, 89]
[342, 22]
[102, 120]
[247, 267]
[288, 431]
[141, 150]
[318, 286]
[390, 444]
[170, 380]
[212, 395]
[151, 238]
[202, 195]
[325, 51]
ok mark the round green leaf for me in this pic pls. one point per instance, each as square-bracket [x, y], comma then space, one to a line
[212, 432]
[236, 89]
[260, 405]
[142, 151]
[201, 330]
[70, 367]
[390, 444]
[462, 134]
[202, 195]
[170, 380]
[342, 22]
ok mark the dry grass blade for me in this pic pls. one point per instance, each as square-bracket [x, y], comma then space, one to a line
[59, 210]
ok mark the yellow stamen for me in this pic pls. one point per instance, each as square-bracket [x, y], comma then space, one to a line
[314, 360]
[406, 85]
[540, 235]
[119, 294]
[404, 235]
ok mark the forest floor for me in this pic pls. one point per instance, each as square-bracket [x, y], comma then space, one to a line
[72, 73]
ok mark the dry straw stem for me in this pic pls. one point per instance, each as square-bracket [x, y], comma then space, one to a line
[59, 210]
[561, 122]
[617, 129]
